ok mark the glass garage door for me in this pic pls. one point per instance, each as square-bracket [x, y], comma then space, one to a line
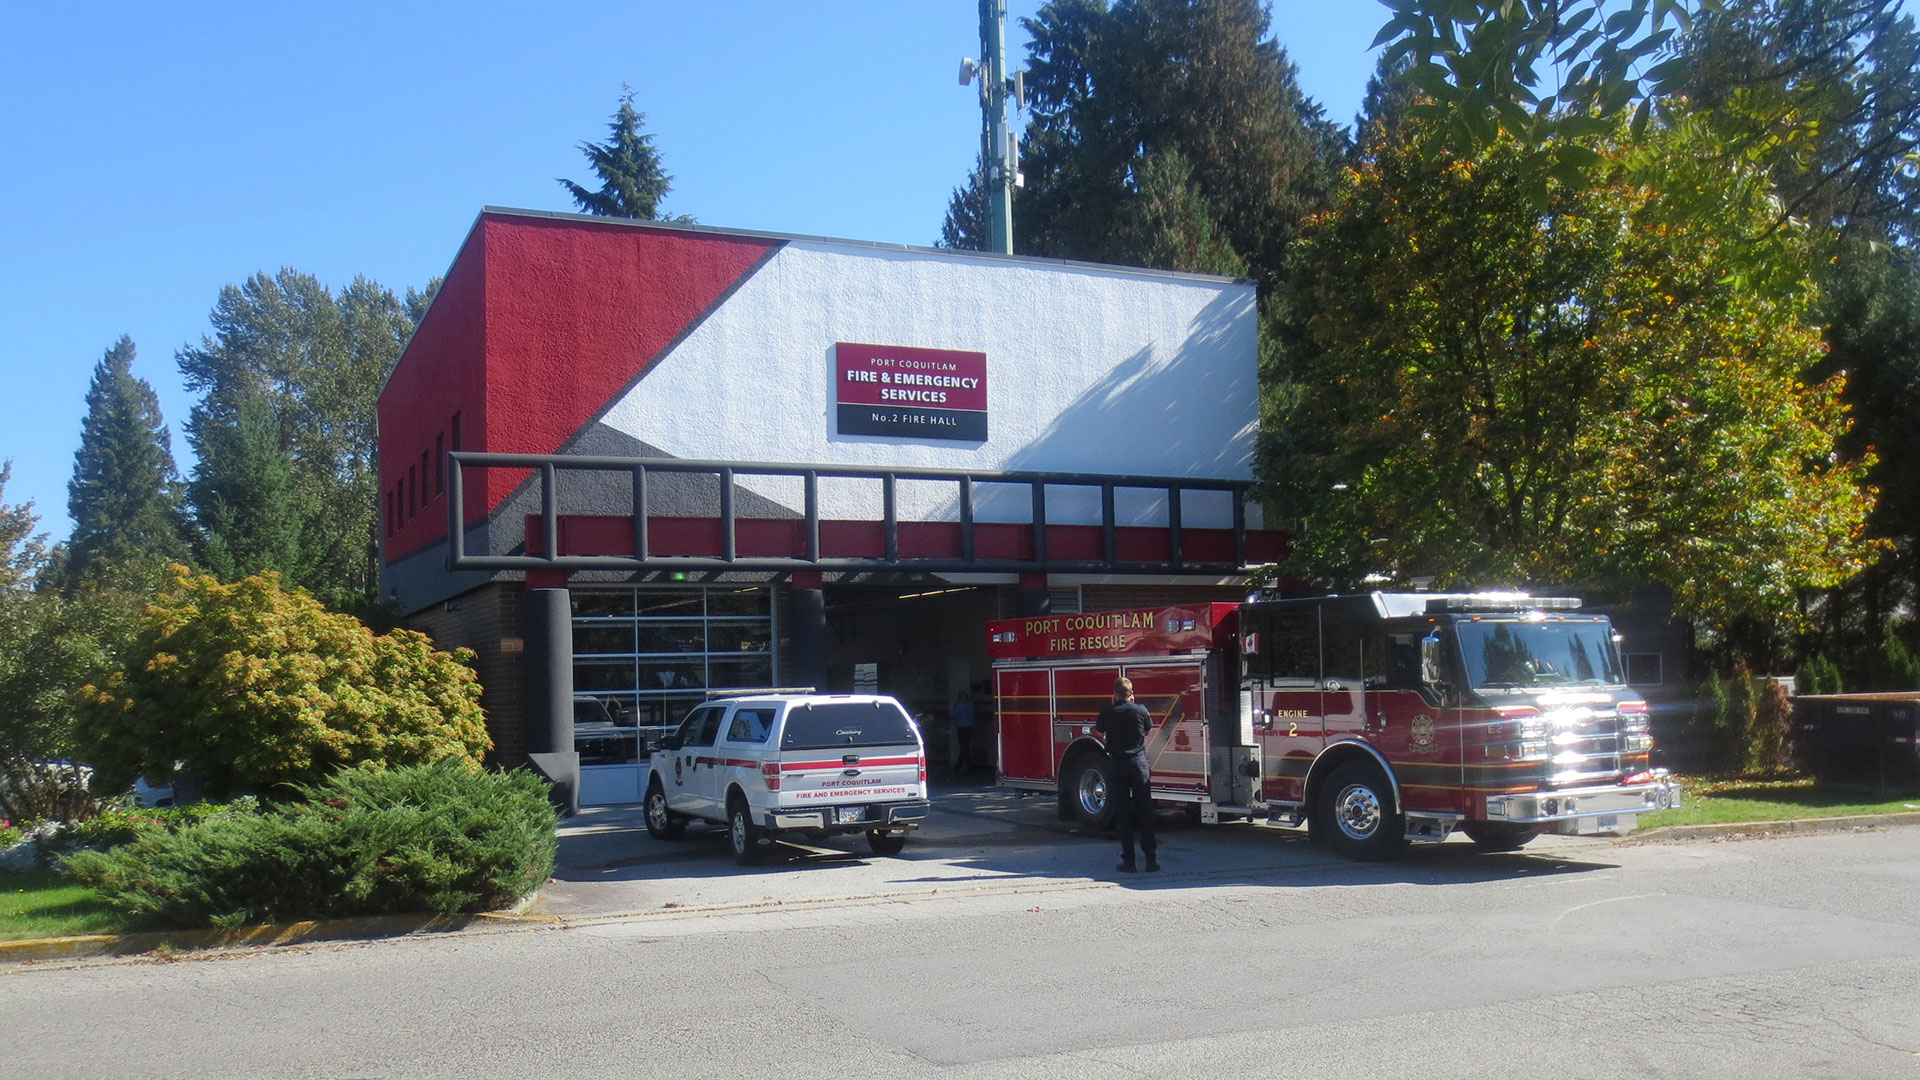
[643, 657]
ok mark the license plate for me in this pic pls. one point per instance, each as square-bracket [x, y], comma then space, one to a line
[1611, 821]
[844, 814]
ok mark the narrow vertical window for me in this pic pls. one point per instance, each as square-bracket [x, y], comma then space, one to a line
[458, 443]
[413, 492]
[423, 480]
[439, 464]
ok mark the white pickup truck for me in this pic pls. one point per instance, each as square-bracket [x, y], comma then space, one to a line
[769, 763]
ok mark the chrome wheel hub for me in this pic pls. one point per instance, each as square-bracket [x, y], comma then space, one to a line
[1357, 811]
[1093, 793]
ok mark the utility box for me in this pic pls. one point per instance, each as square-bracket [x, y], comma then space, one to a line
[1861, 740]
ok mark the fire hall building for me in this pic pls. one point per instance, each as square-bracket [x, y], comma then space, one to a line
[628, 463]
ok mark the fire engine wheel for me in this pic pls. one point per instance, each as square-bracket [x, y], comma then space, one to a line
[743, 836]
[1498, 836]
[885, 843]
[1356, 812]
[662, 823]
[1086, 784]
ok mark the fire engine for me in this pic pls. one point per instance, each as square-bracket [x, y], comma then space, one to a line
[1373, 719]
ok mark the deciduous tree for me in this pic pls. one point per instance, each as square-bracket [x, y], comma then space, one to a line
[315, 363]
[1824, 95]
[50, 642]
[1610, 389]
[1802, 74]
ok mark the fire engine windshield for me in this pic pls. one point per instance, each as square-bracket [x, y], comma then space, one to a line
[830, 726]
[1509, 655]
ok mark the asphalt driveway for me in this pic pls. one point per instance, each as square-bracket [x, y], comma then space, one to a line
[979, 840]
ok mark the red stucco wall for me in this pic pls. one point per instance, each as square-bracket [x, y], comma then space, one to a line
[541, 322]
[442, 374]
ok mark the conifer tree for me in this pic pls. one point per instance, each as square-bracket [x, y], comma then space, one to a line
[124, 496]
[632, 181]
[1165, 133]
[250, 514]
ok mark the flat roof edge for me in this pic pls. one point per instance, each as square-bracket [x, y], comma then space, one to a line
[871, 245]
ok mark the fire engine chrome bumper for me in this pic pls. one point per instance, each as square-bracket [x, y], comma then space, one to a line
[1614, 808]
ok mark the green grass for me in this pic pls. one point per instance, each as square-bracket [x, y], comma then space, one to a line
[1719, 800]
[43, 904]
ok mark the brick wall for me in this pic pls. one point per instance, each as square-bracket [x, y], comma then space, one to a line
[489, 621]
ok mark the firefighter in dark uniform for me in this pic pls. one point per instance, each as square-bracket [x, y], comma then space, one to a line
[1125, 723]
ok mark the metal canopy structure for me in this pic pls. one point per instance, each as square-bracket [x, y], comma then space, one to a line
[980, 545]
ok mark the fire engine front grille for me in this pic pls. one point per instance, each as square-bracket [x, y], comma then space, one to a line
[1586, 744]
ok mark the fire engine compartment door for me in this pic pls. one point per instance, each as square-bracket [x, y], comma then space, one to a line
[1175, 695]
[1023, 721]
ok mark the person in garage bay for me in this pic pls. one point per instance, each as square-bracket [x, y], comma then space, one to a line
[962, 713]
[1125, 723]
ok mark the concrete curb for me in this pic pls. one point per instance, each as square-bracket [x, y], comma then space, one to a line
[1759, 829]
[169, 942]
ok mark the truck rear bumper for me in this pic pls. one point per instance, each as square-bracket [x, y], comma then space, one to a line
[1612, 808]
[893, 815]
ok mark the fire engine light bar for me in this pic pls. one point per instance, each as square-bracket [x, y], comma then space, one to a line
[1502, 601]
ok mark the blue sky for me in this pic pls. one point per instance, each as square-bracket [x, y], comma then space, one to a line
[152, 152]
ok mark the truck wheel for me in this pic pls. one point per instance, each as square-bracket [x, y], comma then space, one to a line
[1499, 836]
[1084, 784]
[885, 843]
[662, 822]
[743, 836]
[1356, 813]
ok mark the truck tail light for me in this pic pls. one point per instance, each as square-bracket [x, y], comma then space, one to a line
[923, 768]
[770, 774]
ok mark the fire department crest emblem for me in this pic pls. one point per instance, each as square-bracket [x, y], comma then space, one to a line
[1420, 741]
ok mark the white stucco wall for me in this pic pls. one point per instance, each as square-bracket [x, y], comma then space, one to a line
[1088, 370]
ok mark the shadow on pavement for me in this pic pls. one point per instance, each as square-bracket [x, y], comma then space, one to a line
[981, 837]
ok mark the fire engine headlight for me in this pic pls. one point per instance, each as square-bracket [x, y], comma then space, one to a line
[1633, 743]
[1635, 722]
[1536, 749]
[1534, 727]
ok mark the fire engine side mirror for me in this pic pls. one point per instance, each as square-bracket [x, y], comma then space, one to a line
[1431, 671]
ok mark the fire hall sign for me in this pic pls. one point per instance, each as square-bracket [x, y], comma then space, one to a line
[910, 393]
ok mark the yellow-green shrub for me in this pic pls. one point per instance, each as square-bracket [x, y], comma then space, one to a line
[253, 686]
